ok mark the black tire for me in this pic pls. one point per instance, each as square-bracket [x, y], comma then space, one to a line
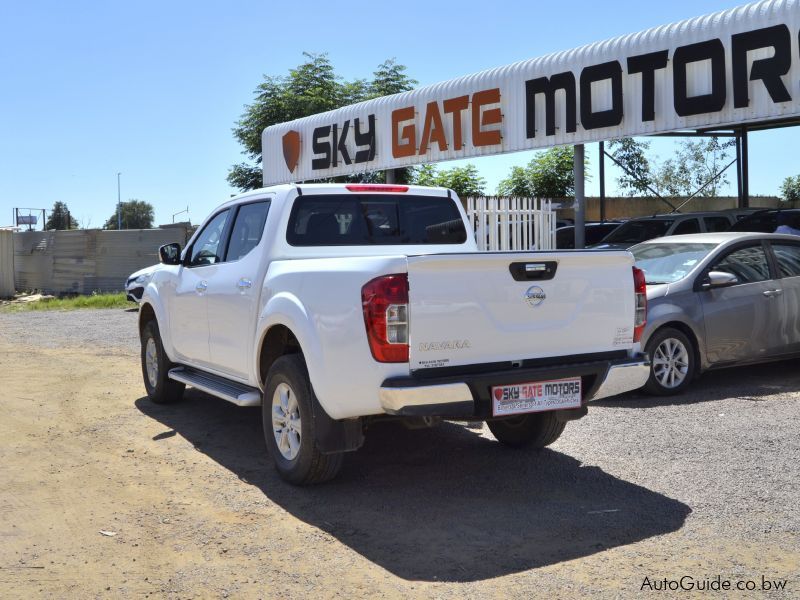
[165, 389]
[663, 343]
[536, 430]
[308, 465]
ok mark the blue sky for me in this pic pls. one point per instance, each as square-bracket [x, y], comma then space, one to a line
[152, 89]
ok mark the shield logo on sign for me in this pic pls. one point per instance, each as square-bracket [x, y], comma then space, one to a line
[291, 149]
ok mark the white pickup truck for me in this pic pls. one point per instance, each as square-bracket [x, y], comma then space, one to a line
[341, 304]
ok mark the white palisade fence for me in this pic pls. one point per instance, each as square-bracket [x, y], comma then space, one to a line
[512, 223]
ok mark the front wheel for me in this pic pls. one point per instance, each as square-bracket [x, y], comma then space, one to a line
[288, 420]
[536, 429]
[155, 368]
[672, 362]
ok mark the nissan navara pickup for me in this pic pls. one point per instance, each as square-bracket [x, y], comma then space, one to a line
[334, 305]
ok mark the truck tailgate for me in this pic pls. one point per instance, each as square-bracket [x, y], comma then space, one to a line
[481, 308]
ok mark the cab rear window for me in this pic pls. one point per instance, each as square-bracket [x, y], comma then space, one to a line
[371, 219]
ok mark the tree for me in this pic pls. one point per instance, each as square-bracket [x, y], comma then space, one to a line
[692, 170]
[636, 178]
[310, 88]
[549, 174]
[60, 218]
[790, 189]
[464, 181]
[136, 214]
[703, 160]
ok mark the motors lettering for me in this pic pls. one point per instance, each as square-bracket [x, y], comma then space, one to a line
[329, 143]
[768, 71]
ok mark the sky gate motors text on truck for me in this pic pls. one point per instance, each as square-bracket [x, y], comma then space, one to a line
[736, 67]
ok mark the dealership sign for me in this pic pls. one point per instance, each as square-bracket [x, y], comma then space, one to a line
[734, 67]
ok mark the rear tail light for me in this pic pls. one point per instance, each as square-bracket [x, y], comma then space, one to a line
[376, 187]
[385, 304]
[640, 289]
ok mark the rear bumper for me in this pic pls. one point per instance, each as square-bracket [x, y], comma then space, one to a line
[468, 394]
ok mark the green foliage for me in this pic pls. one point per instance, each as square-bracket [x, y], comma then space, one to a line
[390, 78]
[95, 300]
[60, 218]
[549, 174]
[637, 178]
[790, 189]
[464, 181]
[136, 214]
[245, 177]
[695, 163]
[310, 88]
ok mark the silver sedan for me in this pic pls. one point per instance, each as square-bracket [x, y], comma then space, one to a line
[718, 300]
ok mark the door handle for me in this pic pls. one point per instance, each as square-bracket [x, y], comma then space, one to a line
[244, 283]
[201, 287]
[771, 293]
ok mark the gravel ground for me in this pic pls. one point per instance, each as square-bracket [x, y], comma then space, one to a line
[104, 330]
[704, 484]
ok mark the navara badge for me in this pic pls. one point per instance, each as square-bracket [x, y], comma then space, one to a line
[535, 295]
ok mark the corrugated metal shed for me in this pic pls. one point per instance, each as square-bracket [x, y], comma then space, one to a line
[294, 144]
[86, 260]
[6, 264]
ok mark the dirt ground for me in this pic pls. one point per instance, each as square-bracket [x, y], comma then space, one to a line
[191, 507]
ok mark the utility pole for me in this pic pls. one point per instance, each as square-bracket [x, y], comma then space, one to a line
[119, 206]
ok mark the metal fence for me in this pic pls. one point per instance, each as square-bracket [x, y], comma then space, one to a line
[6, 264]
[86, 260]
[512, 223]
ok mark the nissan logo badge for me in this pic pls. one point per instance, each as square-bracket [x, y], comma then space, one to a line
[535, 295]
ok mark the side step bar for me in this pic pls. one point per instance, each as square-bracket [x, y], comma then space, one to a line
[220, 387]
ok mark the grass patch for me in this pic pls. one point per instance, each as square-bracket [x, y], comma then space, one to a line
[117, 300]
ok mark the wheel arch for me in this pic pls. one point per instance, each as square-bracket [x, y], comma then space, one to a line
[689, 332]
[276, 341]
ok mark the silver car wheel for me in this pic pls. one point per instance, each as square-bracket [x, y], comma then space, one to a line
[286, 421]
[671, 363]
[151, 362]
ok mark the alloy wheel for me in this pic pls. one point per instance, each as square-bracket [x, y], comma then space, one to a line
[671, 363]
[286, 421]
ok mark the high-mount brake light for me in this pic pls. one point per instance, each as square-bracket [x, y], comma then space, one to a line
[385, 303]
[640, 290]
[376, 187]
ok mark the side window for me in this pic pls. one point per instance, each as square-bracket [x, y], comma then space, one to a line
[788, 256]
[714, 224]
[206, 250]
[687, 226]
[247, 229]
[748, 264]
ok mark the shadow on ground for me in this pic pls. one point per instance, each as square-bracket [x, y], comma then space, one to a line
[440, 504]
[751, 382]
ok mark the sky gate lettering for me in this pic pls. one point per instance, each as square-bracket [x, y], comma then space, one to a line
[737, 67]
[769, 71]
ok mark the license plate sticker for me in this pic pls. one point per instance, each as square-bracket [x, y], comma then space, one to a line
[536, 396]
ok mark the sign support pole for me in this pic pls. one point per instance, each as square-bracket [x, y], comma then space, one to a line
[580, 198]
[602, 167]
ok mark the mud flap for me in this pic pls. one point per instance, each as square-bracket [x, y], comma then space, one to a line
[332, 436]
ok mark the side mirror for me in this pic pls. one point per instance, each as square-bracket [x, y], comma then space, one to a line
[170, 254]
[718, 279]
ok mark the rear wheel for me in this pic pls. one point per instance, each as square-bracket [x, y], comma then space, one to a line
[537, 430]
[672, 362]
[155, 368]
[288, 421]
